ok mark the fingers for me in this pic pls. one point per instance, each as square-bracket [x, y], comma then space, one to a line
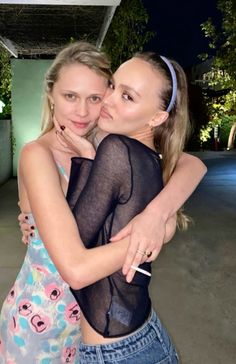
[123, 233]
[138, 253]
[22, 217]
[25, 239]
[25, 228]
[130, 275]
[56, 123]
[131, 252]
[135, 254]
[155, 253]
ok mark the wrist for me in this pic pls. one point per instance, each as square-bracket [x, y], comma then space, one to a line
[160, 209]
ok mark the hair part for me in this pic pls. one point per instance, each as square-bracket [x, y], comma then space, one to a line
[76, 53]
[170, 137]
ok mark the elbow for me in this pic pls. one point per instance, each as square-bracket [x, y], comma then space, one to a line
[76, 276]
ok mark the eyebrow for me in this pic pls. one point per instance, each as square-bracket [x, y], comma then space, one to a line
[76, 93]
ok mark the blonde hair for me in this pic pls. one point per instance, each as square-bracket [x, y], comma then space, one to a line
[170, 137]
[79, 52]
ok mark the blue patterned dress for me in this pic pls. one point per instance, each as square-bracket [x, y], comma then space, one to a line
[40, 319]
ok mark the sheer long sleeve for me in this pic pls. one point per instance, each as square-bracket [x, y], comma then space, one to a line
[96, 187]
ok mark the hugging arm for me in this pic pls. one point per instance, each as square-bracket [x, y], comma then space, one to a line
[57, 227]
[157, 223]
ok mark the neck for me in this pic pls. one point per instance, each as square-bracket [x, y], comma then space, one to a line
[145, 136]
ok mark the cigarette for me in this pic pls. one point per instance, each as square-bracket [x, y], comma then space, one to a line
[141, 270]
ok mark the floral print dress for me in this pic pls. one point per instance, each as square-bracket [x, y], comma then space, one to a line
[40, 319]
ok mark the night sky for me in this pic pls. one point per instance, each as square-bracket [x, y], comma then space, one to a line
[177, 24]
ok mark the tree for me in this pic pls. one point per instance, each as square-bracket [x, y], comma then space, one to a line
[5, 82]
[222, 76]
[127, 33]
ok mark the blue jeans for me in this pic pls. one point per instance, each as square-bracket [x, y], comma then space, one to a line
[148, 345]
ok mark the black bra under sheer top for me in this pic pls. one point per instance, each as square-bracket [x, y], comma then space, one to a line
[104, 195]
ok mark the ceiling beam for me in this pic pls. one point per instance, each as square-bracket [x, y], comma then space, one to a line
[106, 23]
[63, 2]
[8, 45]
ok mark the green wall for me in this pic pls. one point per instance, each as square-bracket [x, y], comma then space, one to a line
[5, 151]
[27, 85]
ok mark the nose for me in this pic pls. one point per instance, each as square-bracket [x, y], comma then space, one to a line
[107, 100]
[82, 108]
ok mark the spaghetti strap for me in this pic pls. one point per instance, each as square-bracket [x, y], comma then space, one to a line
[62, 170]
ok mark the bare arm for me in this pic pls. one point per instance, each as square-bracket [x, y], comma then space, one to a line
[57, 227]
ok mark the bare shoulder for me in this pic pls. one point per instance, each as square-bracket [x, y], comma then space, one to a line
[35, 154]
[35, 149]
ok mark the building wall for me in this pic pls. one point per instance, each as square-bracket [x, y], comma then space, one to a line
[5, 151]
[27, 86]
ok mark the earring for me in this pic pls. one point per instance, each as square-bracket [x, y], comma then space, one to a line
[52, 108]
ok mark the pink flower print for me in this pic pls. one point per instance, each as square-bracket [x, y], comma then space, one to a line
[10, 361]
[53, 292]
[1, 346]
[11, 296]
[13, 327]
[68, 354]
[73, 313]
[40, 323]
[25, 308]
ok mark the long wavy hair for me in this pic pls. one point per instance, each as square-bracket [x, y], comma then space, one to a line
[76, 53]
[170, 137]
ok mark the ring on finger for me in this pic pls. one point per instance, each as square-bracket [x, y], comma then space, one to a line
[141, 252]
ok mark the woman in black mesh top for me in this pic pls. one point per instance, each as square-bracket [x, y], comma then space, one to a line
[146, 110]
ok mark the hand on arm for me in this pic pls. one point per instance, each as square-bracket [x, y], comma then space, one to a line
[157, 223]
[26, 228]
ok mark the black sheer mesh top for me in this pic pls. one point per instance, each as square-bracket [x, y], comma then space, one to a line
[104, 195]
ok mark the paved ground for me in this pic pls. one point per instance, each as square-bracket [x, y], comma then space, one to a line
[193, 285]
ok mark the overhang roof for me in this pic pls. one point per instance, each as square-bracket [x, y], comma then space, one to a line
[40, 28]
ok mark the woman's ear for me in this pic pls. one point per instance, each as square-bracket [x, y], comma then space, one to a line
[159, 118]
[50, 98]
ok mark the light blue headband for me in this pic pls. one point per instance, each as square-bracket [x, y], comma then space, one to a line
[174, 83]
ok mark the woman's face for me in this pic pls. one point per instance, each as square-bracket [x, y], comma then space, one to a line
[131, 103]
[77, 97]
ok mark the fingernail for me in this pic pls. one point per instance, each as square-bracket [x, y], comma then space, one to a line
[32, 227]
[62, 127]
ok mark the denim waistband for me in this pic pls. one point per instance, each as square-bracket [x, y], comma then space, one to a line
[126, 346]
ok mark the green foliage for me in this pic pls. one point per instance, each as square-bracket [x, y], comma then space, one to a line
[5, 82]
[222, 76]
[127, 33]
[205, 132]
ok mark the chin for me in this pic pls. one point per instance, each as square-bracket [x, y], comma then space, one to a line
[105, 126]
